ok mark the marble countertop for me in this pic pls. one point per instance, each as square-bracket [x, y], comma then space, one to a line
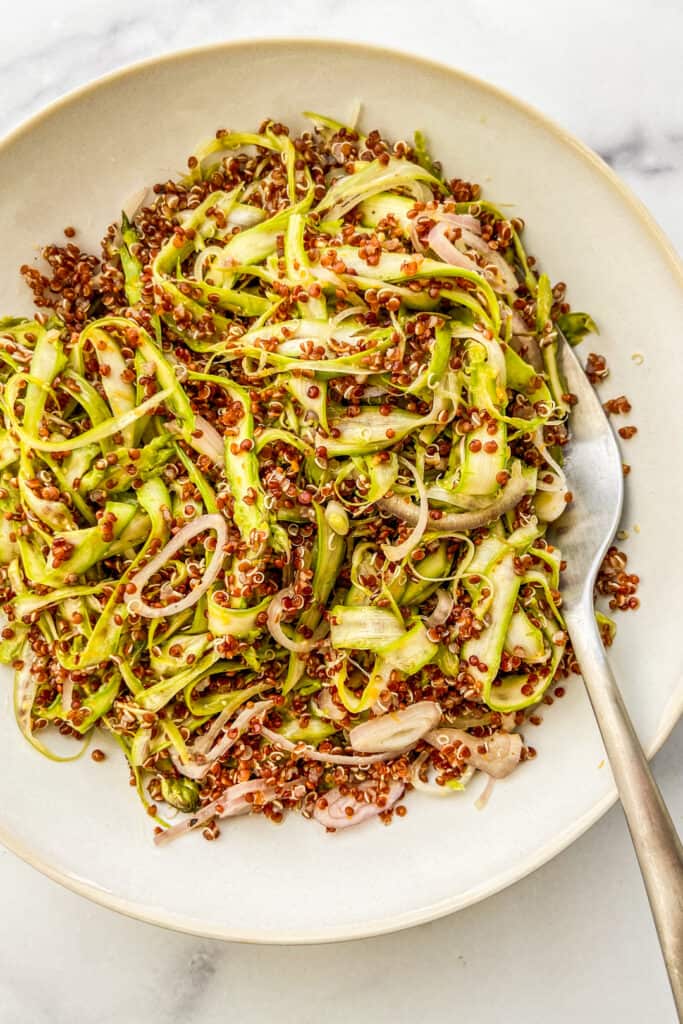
[574, 941]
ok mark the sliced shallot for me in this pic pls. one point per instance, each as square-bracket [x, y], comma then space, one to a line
[328, 707]
[396, 730]
[275, 613]
[445, 250]
[485, 795]
[459, 220]
[203, 755]
[505, 272]
[397, 552]
[213, 521]
[510, 495]
[433, 788]
[311, 754]
[229, 804]
[414, 237]
[335, 814]
[210, 443]
[442, 609]
[503, 749]
[450, 254]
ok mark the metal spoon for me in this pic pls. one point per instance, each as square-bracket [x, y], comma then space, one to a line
[595, 475]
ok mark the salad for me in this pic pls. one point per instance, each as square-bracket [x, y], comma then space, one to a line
[277, 473]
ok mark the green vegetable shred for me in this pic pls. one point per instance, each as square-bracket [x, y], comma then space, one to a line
[277, 474]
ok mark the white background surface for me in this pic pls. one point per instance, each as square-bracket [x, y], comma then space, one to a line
[572, 942]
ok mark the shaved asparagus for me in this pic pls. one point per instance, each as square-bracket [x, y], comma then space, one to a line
[275, 479]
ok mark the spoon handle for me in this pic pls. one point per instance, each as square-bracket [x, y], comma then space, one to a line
[654, 836]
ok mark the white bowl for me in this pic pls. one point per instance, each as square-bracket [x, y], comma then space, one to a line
[80, 823]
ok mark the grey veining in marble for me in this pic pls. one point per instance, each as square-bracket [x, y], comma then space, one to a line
[572, 942]
[636, 154]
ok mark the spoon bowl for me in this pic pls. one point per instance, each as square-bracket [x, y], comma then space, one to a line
[594, 470]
